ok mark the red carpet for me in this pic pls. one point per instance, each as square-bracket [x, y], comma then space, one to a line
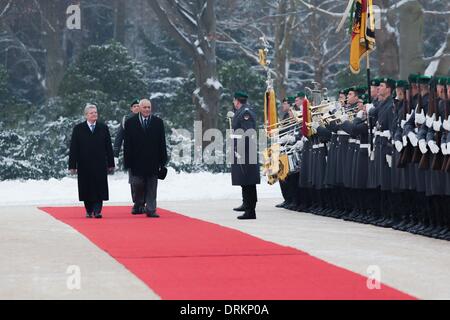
[184, 258]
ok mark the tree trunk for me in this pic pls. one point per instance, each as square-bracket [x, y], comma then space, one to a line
[411, 38]
[198, 40]
[119, 20]
[284, 29]
[207, 101]
[54, 14]
[388, 51]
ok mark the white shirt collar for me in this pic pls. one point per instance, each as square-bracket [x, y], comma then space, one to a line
[91, 124]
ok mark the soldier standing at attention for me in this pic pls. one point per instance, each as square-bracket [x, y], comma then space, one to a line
[245, 167]
[134, 108]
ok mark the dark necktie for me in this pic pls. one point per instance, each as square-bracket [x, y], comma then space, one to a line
[145, 123]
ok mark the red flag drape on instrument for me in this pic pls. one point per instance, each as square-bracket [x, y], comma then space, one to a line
[306, 113]
[363, 32]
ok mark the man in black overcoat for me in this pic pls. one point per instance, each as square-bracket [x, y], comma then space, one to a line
[91, 157]
[145, 156]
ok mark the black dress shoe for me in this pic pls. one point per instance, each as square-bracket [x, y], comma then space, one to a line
[247, 216]
[239, 209]
[88, 215]
[98, 215]
[281, 205]
[137, 210]
[152, 215]
[291, 206]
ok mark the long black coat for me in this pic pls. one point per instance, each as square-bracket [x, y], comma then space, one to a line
[243, 171]
[91, 154]
[145, 150]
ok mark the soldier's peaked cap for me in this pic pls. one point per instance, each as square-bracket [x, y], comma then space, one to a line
[240, 95]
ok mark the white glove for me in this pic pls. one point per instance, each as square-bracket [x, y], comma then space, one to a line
[283, 139]
[413, 138]
[408, 116]
[433, 147]
[446, 124]
[360, 114]
[299, 145]
[344, 117]
[429, 120]
[389, 160]
[398, 145]
[291, 139]
[420, 118]
[437, 125]
[315, 125]
[369, 107]
[405, 141]
[402, 124]
[423, 146]
[448, 148]
[444, 149]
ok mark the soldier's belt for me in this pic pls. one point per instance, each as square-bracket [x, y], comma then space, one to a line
[384, 134]
[352, 140]
[317, 146]
[364, 146]
[342, 133]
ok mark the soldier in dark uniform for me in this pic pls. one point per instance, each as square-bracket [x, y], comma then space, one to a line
[445, 147]
[382, 116]
[134, 108]
[372, 192]
[289, 186]
[329, 133]
[416, 131]
[304, 197]
[408, 131]
[349, 153]
[245, 167]
[435, 178]
[399, 175]
[358, 129]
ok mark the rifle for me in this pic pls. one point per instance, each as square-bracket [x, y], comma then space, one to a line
[407, 153]
[438, 159]
[446, 165]
[426, 157]
[417, 155]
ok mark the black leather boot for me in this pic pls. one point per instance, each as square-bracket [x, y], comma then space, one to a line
[248, 215]
[240, 209]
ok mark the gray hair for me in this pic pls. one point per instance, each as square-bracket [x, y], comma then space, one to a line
[88, 107]
[144, 101]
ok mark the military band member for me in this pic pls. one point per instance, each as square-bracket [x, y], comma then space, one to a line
[289, 186]
[358, 129]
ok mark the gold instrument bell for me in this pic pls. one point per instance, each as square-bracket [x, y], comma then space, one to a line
[262, 57]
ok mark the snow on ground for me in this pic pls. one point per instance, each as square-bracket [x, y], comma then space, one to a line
[176, 187]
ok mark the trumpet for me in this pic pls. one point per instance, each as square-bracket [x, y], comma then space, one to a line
[297, 117]
[336, 117]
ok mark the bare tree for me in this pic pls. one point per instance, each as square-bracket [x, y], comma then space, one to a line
[193, 25]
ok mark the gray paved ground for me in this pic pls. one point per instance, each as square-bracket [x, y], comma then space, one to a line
[35, 251]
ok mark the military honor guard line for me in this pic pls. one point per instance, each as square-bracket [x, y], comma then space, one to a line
[384, 163]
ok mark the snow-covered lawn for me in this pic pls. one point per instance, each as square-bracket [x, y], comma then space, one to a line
[176, 187]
